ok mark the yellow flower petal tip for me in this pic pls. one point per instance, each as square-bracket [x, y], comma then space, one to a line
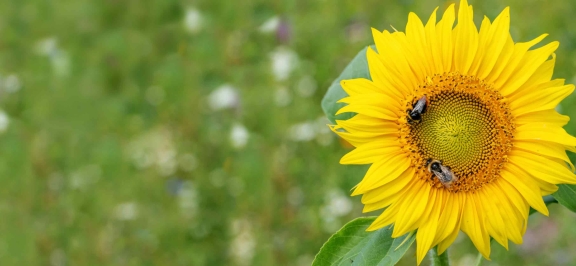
[458, 124]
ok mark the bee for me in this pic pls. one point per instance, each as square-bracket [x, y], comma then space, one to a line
[443, 173]
[415, 115]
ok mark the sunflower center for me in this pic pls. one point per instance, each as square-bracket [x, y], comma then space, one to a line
[467, 126]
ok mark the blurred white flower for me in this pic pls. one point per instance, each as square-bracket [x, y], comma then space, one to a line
[324, 135]
[60, 63]
[270, 25]
[4, 121]
[235, 186]
[155, 95]
[154, 148]
[107, 236]
[202, 230]
[218, 177]
[337, 204]
[305, 260]
[467, 259]
[55, 182]
[243, 243]
[282, 97]
[302, 132]
[223, 97]
[12, 83]
[188, 162]
[357, 31]
[126, 211]
[295, 196]
[239, 136]
[306, 86]
[284, 61]
[47, 46]
[188, 200]
[85, 176]
[57, 258]
[59, 59]
[166, 161]
[193, 20]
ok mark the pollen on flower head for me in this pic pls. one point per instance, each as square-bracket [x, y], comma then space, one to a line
[468, 126]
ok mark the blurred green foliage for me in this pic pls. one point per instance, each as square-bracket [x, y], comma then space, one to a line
[115, 155]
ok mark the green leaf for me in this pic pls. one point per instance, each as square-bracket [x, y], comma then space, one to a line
[352, 245]
[358, 68]
[547, 200]
[439, 259]
[566, 195]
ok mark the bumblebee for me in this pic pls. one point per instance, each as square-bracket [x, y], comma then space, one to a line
[419, 108]
[442, 172]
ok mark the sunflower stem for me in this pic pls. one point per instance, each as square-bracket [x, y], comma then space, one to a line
[479, 259]
[439, 260]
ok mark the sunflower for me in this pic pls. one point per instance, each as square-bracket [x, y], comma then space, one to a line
[460, 128]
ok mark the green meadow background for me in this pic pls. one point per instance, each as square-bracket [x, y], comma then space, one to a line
[190, 132]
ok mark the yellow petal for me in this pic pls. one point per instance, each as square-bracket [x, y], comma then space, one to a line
[449, 217]
[495, 223]
[515, 178]
[534, 132]
[513, 196]
[542, 168]
[355, 139]
[398, 62]
[382, 172]
[539, 100]
[371, 152]
[367, 124]
[542, 75]
[427, 232]
[513, 217]
[377, 111]
[390, 214]
[482, 43]
[507, 65]
[444, 31]
[382, 70]
[387, 192]
[433, 42]
[444, 244]
[551, 150]
[416, 38]
[540, 87]
[474, 226]
[497, 38]
[376, 99]
[386, 218]
[545, 187]
[549, 116]
[413, 209]
[529, 64]
[465, 39]
[361, 86]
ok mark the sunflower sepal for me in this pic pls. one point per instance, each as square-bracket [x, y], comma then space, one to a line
[353, 245]
[566, 196]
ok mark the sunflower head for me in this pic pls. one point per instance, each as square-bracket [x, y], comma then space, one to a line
[460, 128]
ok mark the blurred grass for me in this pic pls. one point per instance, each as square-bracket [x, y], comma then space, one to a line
[97, 163]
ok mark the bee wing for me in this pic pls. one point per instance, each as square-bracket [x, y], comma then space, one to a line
[420, 105]
[447, 173]
[439, 175]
